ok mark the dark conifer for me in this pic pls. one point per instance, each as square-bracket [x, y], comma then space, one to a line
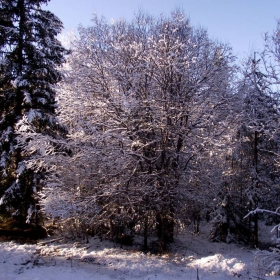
[29, 56]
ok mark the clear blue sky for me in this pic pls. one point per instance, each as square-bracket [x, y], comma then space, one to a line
[241, 23]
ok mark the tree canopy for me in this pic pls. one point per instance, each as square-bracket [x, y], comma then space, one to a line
[146, 127]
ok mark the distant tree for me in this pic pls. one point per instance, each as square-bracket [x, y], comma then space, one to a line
[252, 180]
[269, 201]
[29, 56]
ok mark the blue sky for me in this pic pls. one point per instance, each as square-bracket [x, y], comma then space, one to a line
[241, 23]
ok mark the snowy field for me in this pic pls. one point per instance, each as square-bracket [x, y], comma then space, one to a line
[193, 257]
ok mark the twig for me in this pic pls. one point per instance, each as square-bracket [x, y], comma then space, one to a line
[49, 241]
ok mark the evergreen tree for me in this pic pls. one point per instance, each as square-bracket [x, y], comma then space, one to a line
[253, 180]
[29, 56]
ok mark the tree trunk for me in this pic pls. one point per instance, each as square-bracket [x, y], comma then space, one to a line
[165, 228]
[145, 247]
[256, 230]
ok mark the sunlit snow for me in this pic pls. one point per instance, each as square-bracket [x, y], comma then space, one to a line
[192, 257]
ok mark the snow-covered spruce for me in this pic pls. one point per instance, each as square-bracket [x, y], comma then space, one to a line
[30, 54]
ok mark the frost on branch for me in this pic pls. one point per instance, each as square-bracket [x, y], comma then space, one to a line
[145, 103]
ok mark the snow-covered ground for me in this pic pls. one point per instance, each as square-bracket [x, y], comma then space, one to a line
[192, 257]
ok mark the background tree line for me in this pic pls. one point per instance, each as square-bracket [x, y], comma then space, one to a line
[158, 127]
